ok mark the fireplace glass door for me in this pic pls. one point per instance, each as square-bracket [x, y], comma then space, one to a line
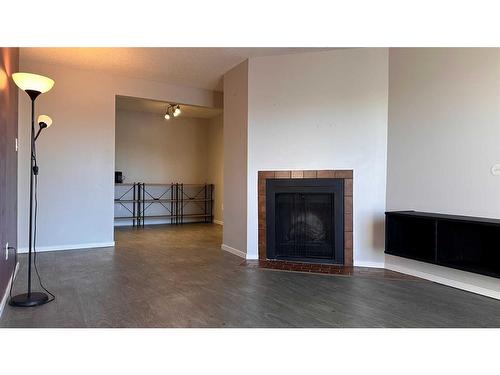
[304, 220]
[304, 225]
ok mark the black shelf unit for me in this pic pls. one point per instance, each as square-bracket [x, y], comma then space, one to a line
[174, 198]
[462, 242]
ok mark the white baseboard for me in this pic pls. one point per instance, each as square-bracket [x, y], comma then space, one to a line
[234, 251]
[82, 246]
[218, 222]
[369, 264]
[252, 256]
[7, 290]
[444, 281]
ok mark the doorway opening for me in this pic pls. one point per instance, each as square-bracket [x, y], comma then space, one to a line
[168, 163]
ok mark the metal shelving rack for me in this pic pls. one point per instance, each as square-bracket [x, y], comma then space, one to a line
[174, 198]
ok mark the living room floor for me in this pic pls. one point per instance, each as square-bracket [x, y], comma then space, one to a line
[177, 276]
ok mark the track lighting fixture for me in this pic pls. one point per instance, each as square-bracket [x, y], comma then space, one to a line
[173, 110]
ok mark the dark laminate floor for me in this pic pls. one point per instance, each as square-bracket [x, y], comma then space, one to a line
[178, 277]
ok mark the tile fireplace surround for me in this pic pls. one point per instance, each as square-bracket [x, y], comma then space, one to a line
[347, 175]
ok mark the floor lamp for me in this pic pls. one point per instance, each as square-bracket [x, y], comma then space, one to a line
[33, 85]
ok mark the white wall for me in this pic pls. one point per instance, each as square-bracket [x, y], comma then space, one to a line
[76, 155]
[216, 164]
[235, 159]
[323, 110]
[443, 138]
[153, 150]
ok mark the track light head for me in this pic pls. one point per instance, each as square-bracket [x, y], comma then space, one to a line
[177, 110]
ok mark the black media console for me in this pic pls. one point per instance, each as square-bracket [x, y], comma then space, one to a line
[462, 242]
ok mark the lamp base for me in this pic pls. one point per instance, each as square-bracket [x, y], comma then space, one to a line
[29, 300]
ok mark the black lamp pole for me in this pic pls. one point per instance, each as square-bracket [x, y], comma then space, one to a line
[31, 298]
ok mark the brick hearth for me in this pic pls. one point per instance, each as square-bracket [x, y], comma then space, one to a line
[347, 175]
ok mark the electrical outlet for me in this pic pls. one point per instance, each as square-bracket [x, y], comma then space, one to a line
[495, 170]
[7, 251]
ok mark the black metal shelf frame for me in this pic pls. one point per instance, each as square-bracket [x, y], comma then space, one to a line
[174, 198]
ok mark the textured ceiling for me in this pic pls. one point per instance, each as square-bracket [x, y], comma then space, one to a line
[192, 67]
[159, 107]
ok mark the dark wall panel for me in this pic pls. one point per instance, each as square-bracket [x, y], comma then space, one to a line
[9, 63]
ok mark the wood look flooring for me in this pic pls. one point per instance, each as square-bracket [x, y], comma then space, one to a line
[177, 276]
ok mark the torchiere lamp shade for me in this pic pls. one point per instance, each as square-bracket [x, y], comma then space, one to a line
[34, 82]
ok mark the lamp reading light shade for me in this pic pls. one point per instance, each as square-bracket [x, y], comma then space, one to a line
[33, 82]
[44, 119]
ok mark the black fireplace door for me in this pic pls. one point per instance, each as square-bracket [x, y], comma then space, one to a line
[304, 220]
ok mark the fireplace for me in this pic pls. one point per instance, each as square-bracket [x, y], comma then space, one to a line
[306, 216]
[305, 220]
